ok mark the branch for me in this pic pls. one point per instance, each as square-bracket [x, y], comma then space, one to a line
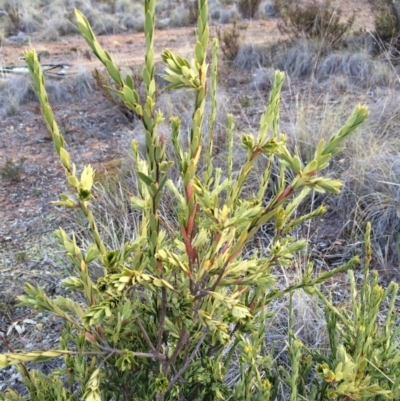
[148, 341]
[187, 363]
[181, 342]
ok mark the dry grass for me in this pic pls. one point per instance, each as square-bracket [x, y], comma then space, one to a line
[52, 19]
[250, 56]
[306, 58]
[368, 164]
[17, 90]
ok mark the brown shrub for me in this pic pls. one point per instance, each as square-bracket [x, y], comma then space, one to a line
[313, 20]
[229, 40]
[248, 8]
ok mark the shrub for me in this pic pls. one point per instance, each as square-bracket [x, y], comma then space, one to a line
[175, 312]
[386, 19]
[313, 20]
[248, 8]
[193, 11]
[230, 39]
[11, 171]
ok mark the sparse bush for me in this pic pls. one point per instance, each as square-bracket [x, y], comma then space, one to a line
[181, 314]
[248, 8]
[193, 11]
[230, 39]
[14, 19]
[11, 171]
[386, 19]
[313, 20]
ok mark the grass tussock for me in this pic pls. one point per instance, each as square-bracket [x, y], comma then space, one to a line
[250, 56]
[17, 91]
[50, 20]
[310, 58]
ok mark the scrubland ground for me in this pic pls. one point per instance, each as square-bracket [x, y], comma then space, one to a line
[322, 86]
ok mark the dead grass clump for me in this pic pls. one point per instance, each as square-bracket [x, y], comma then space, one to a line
[172, 103]
[229, 15]
[132, 23]
[103, 23]
[56, 27]
[248, 8]
[305, 58]
[78, 86]
[250, 56]
[300, 59]
[308, 321]
[15, 91]
[263, 79]
[313, 20]
[179, 17]
[193, 10]
[130, 15]
[359, 67]
[19, 16]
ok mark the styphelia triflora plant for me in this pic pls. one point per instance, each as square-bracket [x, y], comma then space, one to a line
[172, 313]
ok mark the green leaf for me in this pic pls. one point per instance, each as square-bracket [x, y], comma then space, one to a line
[65, 159]
[129, 82]
[146, 179]
[113, 71]
[199, 52]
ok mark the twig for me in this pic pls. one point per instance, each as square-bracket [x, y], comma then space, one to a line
[146, 336]
[186, 364]
[182, 340]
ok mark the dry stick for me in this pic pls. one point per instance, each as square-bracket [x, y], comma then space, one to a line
[186, 364]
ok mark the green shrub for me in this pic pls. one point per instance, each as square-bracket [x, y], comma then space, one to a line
[175, 312]
[248, 8]
[313, 20]
[386, 19]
